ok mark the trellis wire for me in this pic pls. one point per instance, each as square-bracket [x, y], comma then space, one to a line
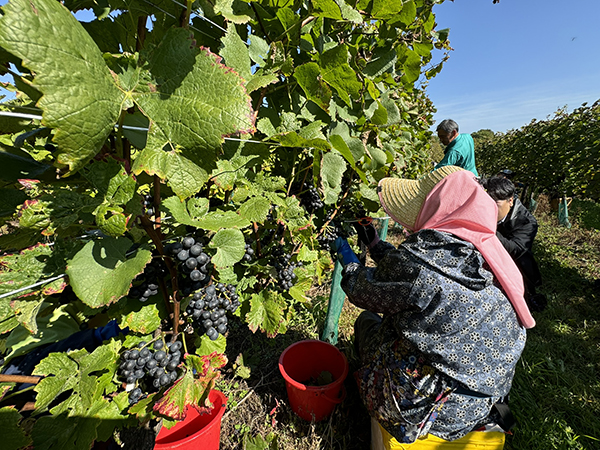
[125, 127]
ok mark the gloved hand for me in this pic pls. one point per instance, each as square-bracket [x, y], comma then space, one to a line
[344, 252]
[367, 234]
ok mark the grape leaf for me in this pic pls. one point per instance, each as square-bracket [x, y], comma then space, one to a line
[65, 377]
[217, 220]
[144, 321]
[178, 210]
[27, 311]
[13, 437]
[111, 180]
[260, 81]
[255, 209]
[182, 175]
[66, 433]
[230, 245]
[266, 313]
[235, 53]
[302, 284]
[333, 167]
[337, 73]
[194, 102]
[111, 220]
[76, 371]
[8, 320]
[191, 390]
[326, 8]
[29, 266]
[293, 139]
[80, 98]
[100, 273]
[52, 328]
[206, 346]
[309, 78]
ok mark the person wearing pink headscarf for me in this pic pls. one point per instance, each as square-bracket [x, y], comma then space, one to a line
[445, 317]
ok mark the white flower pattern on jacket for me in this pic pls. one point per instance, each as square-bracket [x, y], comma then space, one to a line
[446, 324]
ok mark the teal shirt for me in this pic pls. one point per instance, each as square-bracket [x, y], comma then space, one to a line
[460, 152]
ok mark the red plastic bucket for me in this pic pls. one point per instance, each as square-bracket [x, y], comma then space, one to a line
[306, 360]
[196, 431]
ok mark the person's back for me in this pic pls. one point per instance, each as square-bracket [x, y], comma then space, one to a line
[516, 230]
[460, 148]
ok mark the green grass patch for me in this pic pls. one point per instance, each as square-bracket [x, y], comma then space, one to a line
[556, 391]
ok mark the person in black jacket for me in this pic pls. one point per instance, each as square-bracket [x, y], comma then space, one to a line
[516, 230]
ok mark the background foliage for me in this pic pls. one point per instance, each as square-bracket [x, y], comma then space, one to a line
[558, 155]
[161, 120]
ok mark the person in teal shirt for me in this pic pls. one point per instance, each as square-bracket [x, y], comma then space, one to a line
[460, 148]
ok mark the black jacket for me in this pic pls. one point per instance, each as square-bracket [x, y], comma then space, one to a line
[516, 233]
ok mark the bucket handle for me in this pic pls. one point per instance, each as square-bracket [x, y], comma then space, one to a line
[336, 400]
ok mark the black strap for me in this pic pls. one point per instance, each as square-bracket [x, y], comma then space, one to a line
[505, 419]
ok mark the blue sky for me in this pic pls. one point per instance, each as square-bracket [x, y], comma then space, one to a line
[516, 60]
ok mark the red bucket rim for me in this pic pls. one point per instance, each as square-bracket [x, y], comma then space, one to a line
[303, 387]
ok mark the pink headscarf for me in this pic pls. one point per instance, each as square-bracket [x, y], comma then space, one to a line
[459, 205]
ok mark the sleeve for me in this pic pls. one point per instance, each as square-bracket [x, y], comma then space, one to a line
[521, 240]
[379, 250]
[366, 289]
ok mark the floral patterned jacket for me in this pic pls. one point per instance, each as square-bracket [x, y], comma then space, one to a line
[446, 326]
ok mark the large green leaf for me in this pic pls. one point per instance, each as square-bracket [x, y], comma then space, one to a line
[230, 245]
[52, 327]
[101, 272]
[309, 78]
[255, 209]
[88, 375]
[217, 220]
[111, 180]
[235, 53]
[326, 8]
[266, 313]
[333, 167]
[81, 100]
[293, 139]
[13, 437]
[144, 320]
[182, 175]
[337, 73]
[193, 101]
[412, 67]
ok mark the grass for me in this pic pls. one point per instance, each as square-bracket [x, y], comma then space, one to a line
[556, 390]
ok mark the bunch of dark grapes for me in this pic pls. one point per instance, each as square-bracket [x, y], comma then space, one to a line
[285, 270]
[310, 198]
[193, 264]
[145, 285]
[209, 306]
[249, 253]
[148, 205]
[147, 370]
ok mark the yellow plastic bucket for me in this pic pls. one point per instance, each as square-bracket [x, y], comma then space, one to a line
[475, 440]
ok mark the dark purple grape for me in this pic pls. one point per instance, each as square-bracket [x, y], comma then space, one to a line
[188, 242]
